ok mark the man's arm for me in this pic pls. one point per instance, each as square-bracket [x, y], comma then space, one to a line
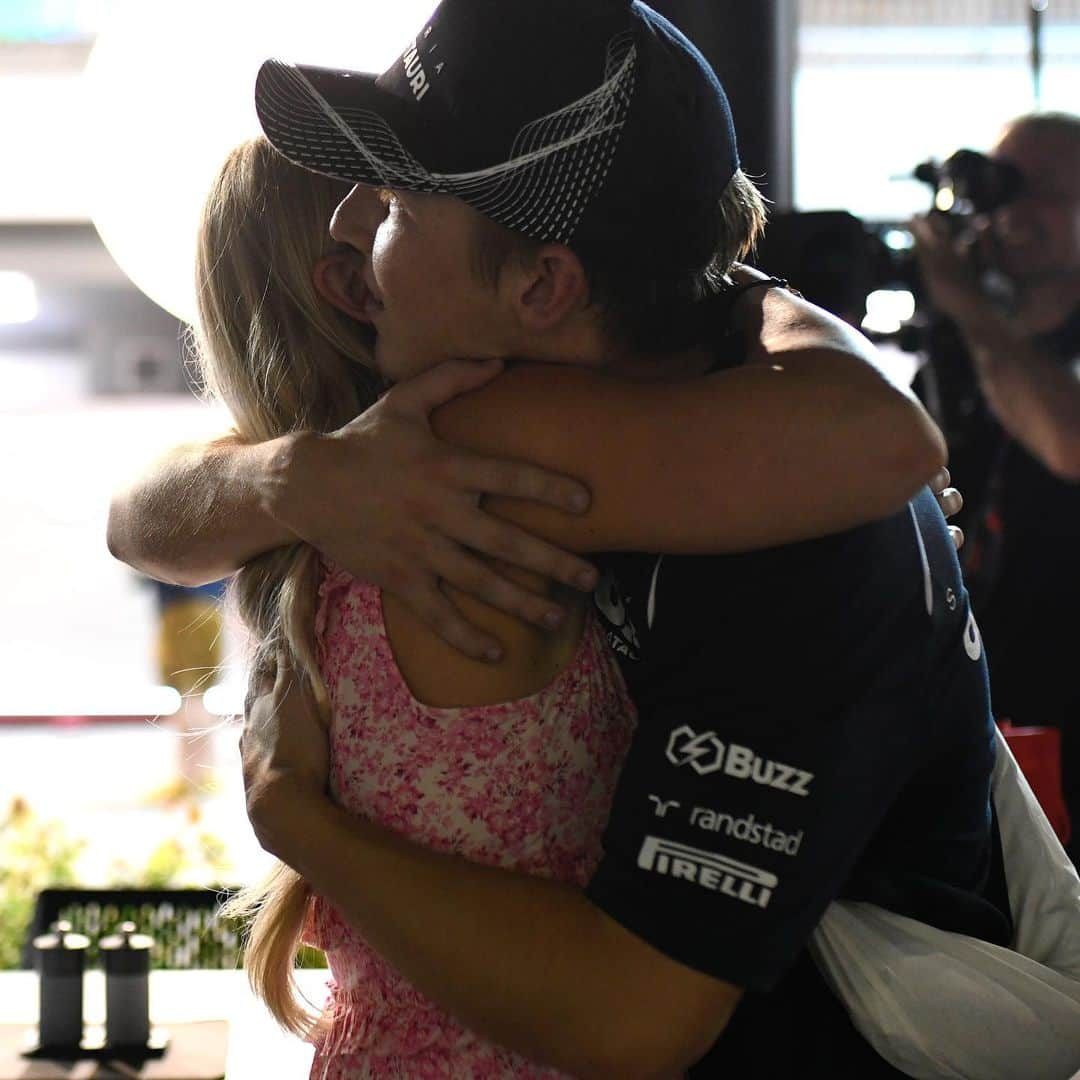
[527, 962]
[1035, 398]
[808, 438]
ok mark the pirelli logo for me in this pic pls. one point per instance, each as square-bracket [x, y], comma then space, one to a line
[719, 873]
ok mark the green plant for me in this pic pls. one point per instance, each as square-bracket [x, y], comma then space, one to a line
[37, 854]
[191, 856]
[33, 854]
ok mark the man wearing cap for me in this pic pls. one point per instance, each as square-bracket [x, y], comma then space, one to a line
[813, 718]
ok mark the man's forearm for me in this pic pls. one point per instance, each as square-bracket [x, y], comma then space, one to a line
[1036, 399]
[201, 511]
[525, 962]
[899, 447]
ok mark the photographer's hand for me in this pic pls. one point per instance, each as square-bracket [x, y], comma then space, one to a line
[947, 270]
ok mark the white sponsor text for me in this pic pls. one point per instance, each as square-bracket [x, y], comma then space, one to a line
[706, 754]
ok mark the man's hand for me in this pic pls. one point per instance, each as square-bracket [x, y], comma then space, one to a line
[401, 509]
[284, 749]
[946, 267]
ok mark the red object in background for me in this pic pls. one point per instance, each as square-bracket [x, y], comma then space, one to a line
[1038, 753]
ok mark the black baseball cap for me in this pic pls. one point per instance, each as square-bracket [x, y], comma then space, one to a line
[594, 123]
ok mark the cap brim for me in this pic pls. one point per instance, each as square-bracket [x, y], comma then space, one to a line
[341, 124]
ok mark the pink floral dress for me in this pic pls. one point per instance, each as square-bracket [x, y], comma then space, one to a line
[525, 784]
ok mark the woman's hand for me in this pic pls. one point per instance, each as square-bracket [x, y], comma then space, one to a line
[399, 508]
[951, 502]
[284, 749]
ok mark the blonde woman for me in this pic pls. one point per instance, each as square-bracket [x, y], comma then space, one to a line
[525, 784]
[512, 764]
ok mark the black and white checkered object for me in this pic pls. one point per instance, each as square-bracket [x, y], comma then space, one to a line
[556, 166]
[575, 121]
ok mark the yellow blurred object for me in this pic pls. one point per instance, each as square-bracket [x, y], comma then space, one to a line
[189, 643]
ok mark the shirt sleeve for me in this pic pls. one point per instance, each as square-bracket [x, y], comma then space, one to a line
[732, 829]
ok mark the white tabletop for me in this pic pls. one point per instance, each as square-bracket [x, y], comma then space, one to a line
[258, 1048]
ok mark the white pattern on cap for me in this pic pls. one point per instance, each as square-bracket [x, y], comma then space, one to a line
[557, 164]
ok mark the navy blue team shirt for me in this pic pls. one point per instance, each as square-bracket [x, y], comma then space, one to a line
[814, 722]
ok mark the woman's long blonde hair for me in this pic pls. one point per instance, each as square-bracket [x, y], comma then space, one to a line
[282, 359]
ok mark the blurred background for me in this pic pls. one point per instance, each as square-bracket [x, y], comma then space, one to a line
[117, 757]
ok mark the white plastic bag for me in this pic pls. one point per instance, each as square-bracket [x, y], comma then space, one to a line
[936, 1004]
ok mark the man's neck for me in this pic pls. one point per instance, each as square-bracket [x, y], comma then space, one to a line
[673, 366]
[589, 346]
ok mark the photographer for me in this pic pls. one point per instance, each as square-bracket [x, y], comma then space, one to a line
[1010, 288]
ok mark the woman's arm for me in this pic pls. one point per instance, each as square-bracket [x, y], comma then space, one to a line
[526, 962]
[807, 439]
[200, 511]
[381, 496]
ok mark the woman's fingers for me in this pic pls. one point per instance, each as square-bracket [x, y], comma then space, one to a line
[262, 682]
[434, 530]
[478, 578]
[949, 498]
[421, 591]
[431, 605]
[424, 393]
[490, 476]
[499, 539]
[951, 501]
[518, 480]
[941, 480]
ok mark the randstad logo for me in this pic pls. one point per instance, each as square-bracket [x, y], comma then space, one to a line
[748, 829]
[706, 754]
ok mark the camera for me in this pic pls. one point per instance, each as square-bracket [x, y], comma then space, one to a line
[970, 183]
[845, 264]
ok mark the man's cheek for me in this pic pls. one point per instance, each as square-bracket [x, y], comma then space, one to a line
[382, 260]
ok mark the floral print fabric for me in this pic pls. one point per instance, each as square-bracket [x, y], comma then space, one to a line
[525, 784]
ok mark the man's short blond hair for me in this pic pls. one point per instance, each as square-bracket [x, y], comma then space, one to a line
[639, 311]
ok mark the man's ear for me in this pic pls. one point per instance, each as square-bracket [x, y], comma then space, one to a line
[549, 288]
[339, 280]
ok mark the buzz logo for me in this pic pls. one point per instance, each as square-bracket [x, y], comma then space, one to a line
[706, 754]
[727, 876]
[703, 753]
